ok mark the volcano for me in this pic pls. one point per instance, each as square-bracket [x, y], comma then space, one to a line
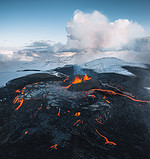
[65, 115]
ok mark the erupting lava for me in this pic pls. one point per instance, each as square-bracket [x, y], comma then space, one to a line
[86, 78]
[79, 80]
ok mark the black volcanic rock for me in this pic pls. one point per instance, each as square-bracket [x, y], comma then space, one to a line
[33, 78]
[56, 123]
[19, 83]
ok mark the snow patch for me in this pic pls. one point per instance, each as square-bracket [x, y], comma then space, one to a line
[110, 65]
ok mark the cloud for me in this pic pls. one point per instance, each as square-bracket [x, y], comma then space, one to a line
[142, 44]
[6, 54]
[93, 30]
[122, 38]
[38, 44]
[45, 46]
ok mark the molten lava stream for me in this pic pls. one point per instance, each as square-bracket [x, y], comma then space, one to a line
[58, 112]
[77, 123]
[99, 121]
[17, 99]
[66, 79]
[110, 92]
[54, 147]
[17, 91]
[107, 142]
[21, 102]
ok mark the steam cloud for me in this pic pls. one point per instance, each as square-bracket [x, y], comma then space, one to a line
[93, 30]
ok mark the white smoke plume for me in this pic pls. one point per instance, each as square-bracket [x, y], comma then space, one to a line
[93, 30]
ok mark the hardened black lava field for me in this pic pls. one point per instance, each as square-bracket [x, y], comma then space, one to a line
[62, 115]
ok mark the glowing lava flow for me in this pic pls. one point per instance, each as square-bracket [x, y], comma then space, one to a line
[58, 112]
[99, 121]
[107, 142]
[25, 132]
[40, 107]
[110, 92]
[66, 79]
[21, 102]
[18, 91]
[17, 99]
[107, 101]
[77, 123]
[54, 147]
[79, 80]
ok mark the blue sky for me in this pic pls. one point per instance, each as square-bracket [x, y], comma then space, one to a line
[30, 20]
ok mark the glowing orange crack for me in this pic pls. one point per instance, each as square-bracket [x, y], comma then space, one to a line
[22, 92]
[66, 79]
[25, 132]
[54, 147]
[93, 96]
[107, 142]
[58, 112]
[16, 99]
[21, 102]
[110, 92]
[77, 123]
[104, 97]
[99, 121]
[40, 107]
[107, 101]
[17, 91]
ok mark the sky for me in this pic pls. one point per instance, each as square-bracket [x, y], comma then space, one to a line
[25, 21]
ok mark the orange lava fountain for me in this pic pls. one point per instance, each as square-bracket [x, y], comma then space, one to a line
[79, 80]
